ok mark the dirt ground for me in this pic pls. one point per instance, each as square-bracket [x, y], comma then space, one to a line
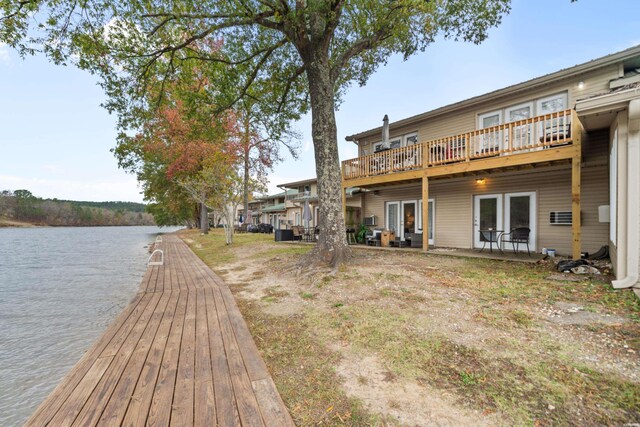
[421, 340]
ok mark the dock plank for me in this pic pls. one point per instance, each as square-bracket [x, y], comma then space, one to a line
[182, 408]
[226, 409]
[117, 405]
[179, 354]
[204, 408]
[96, 402]
[245, 399]
[160, 410]
[138, 409]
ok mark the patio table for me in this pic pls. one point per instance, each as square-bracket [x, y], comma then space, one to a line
[492, 236]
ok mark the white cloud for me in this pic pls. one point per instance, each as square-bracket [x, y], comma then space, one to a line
[124, 189]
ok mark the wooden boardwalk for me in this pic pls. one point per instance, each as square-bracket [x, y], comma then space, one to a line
[180, 354]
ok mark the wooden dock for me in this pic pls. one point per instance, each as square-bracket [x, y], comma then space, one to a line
[180, 354]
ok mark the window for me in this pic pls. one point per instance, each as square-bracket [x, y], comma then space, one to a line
[395, 142]
[521, 134]
[551, 104]
[490, 142]
[489, 119]
[378, 146]
[411, 139]
[393, 217]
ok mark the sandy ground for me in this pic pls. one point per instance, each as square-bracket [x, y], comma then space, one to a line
[427, 287]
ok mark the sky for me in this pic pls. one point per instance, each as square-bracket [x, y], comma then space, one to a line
[55, 138]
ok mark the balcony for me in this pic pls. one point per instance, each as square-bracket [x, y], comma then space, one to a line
[519, 137]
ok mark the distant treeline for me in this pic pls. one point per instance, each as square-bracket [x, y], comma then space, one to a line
[22, 205]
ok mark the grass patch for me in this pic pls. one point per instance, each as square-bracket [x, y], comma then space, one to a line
[535, 379]
[523, 390]
[284, 250]
[303, 370]
[212, 247]
[274, 294]
[505, 318]
[402, 294]
[501, 281]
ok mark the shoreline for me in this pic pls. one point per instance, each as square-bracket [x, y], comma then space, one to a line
[22, 224]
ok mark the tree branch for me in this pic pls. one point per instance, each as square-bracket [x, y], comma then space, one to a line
[356, 48]
[288, 86]
[20, 6]
[253, 75]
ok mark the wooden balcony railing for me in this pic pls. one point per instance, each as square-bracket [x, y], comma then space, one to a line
[394, 160]
[536, 133]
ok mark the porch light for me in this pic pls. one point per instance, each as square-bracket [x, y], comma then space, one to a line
[581, 85]
[479, 180]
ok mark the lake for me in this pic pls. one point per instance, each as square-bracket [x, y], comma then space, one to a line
[59, 290]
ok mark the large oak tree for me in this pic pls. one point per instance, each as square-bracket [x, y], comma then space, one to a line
[295, 54]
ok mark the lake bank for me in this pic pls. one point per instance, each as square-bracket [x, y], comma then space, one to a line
[11, 223]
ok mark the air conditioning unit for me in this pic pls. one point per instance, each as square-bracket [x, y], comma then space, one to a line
[560, 217]
[370, 220]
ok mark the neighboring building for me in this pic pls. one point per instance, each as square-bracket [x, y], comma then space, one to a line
[269, 209]
[299, 192]
[558, 154]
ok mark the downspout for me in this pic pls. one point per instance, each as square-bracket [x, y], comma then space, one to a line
[633, 199]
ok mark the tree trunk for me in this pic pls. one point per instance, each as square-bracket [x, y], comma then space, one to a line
[204, 219]
[245, 183]
[332, 248]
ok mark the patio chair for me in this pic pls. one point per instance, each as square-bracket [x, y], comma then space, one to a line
[517, 236]
[308, 234]
[416, 240]
[375, 239]
[298, 232]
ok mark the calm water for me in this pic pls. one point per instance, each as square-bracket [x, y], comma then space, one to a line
[59, 289]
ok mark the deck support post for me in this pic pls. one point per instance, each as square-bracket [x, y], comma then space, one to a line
[576, 166]
[575, 206]
[425, 213]
[344, 204]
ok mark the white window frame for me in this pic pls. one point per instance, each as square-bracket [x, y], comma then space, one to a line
[520, 129]
[398, 224]
[539, 101]
[489, 114]
[419, 228]
[510, 108]
[397, 141]
[533, 210]
[374, 146]
[405, 139]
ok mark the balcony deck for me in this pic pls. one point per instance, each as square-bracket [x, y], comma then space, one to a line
[542, 138]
